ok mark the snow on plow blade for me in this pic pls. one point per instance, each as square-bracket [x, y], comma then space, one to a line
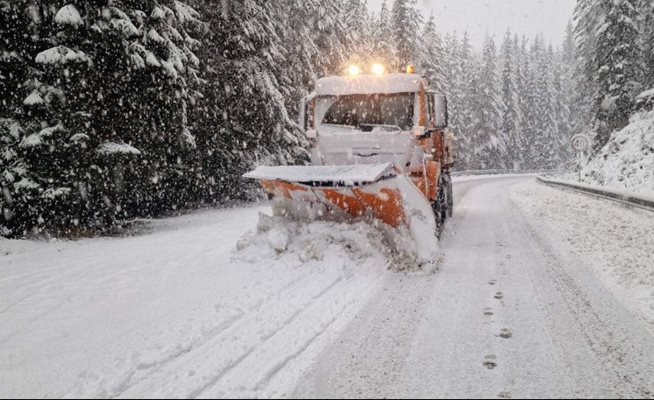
[352, 192]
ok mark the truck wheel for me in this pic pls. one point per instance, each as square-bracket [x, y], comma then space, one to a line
[440, 212]
[450, 197]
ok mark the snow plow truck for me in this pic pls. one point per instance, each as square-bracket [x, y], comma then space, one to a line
[380, 151]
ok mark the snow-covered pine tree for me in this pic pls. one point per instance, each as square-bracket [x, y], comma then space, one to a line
[618, 74]
[16, 43]
[382, 34]
[296, 72]
[510, 101]
[358, 38]
[461, 76]
[579, 112]
[330, 36]
[169, 85]
[586, 18]
[568, 112]
[431, 56]
[531, 138]
[449, 46]
[647, 40]
[16, 187]
[451, 69]
[111, 86]
[243, 117]
[406, 21]
[560, 109]
[522, 87]
[544, 146]
[490, 142]
[17, 40]
[56, 117]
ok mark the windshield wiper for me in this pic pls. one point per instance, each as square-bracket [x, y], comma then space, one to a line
[343, 125]
[373, 126]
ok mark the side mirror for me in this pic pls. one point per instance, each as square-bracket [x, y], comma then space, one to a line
[303, 114]
[440, 111]
[306, 116]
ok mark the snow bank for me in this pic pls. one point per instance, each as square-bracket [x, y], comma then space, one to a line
[627, 160]
[333, 243]
[362, 243]
[617, 248]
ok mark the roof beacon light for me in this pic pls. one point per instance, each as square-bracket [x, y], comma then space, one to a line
[354, 70]
[378, 69]
[410, 69]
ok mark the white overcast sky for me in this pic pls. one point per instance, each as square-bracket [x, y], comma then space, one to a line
[480, 17]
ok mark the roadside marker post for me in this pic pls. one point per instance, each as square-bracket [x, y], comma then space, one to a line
[580, 143]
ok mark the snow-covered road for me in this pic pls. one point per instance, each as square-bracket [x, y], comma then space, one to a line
[514, 311]
[538, 293]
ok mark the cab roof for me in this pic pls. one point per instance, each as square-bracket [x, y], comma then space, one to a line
[369, 84]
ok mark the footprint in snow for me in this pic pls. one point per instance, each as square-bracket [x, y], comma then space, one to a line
[489, 361]
[506, 333]
[499, 295]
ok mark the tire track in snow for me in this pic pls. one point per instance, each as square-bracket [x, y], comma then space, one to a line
[263, 339]
[220, 354]
[271, 369]
[142, 371]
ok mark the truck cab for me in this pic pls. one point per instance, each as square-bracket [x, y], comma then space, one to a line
[380, 118]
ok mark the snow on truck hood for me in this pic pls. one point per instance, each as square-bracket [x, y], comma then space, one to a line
[368, 84]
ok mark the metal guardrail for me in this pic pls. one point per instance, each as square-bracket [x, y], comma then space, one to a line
[503, 171]
[631, 199]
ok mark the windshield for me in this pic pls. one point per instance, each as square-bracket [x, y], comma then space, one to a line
[367, 111]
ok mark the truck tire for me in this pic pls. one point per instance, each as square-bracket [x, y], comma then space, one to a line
[440, 210]
[450, 195]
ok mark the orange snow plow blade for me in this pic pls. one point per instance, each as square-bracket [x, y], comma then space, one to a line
[350, 193]
[385, 205]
